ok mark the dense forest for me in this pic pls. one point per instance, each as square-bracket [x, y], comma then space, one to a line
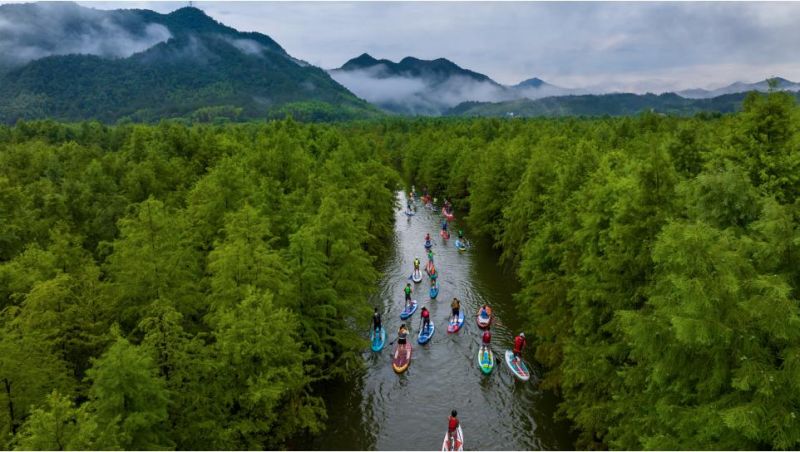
[175, 286]
[659, 261]
[170, 287]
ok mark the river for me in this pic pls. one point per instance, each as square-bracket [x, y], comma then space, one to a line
[382, 410]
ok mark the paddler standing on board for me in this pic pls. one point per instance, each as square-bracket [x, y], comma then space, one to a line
[452, 427]
[519, 344]
[407, 292]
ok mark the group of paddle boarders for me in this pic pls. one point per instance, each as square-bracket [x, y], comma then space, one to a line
[454, 437]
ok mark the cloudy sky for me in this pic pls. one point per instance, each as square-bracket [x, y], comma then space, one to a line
[609, 46]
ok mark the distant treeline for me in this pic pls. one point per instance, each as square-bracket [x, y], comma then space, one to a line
[598, 105]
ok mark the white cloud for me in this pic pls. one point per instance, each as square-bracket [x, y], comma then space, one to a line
[63, 28]
[247, 46]
[366, 85]
[604, 45]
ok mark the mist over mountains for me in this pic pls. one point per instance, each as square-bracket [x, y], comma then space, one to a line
[740, 87]
[37, 30]
[152, 66]
[430, 87]
[68, 62]
[416, 87]
[441, 87]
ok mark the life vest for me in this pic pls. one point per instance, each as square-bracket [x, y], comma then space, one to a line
[425, 314]
[519, 342]
[487, 337]
[452, 424]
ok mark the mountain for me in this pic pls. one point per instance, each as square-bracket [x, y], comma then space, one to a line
[532, 83]
[431, 87]
[740, 87]
[440, 87]
[417, 87]
[151, 66]
[536, 88]
[602, 105]
[437, 71]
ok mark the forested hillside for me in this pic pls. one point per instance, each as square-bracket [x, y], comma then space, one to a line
[659, 261]
[202, 71]
[183, 287]
[169, 287]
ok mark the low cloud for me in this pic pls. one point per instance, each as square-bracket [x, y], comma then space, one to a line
[548, 91]
[32, 31]
[247, 46]
[417, 95]
[367, 85]
[710, 77]
[582, 44]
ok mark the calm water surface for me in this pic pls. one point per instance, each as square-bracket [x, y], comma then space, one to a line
[382, 410]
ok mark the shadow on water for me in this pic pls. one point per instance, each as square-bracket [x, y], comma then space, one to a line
[379, 409]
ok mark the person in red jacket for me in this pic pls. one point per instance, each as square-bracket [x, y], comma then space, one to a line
[519, 344]
[426, 318]
[486, 339]
[452, 426]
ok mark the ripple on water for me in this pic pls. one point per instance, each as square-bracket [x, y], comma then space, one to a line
[409, 411]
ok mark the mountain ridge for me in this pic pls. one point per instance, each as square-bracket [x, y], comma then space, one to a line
[69, 62]
[532, 88]
[203, 64]
[431, 87]
[740, 87]
[410, 66]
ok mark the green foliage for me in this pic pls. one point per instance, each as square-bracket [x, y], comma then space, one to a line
[189, 369]
[257, 79]
[205, 73]
[237, 260]
[29, 370]
[622, 104]
[53, 428]
[315, 111]
[657, 257]
[658, 260]
[261, 361]
[127, 401]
